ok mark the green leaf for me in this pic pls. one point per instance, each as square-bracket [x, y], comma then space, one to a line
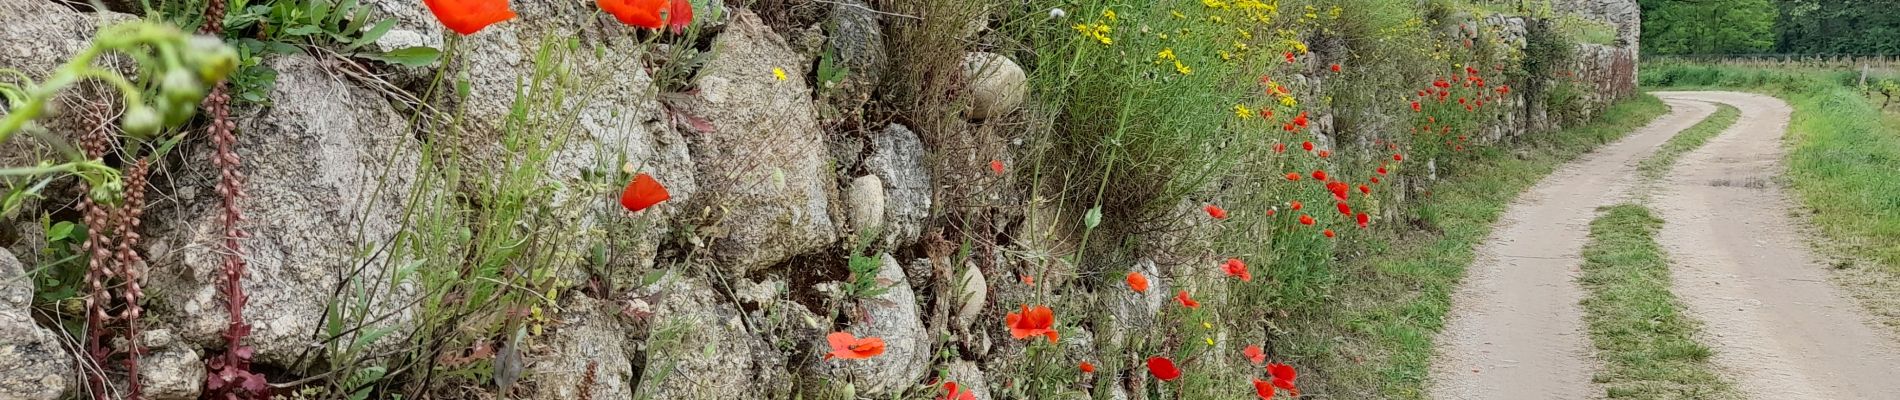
[1093, 218]
[60, 231]
[303, 30]
[347, 8]
[408, 57]
[374, 33]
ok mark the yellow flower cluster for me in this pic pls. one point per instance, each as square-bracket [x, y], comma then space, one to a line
[1167, 55]
[1240, 110]
[1097, 31]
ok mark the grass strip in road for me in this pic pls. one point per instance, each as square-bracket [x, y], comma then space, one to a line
[1375, 340]
[1688, 140]
[1646, 343]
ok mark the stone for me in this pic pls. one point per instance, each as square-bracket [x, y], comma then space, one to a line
[968, 378]
[35, 363]
[172, 370]
[698, 346]
[997, 85]
[894, 316]
[898, 158]
[858, 43]
[972, 297]
[762, 165]
[588, 341]
[864, 201]
[329, 169]
[1134, 313]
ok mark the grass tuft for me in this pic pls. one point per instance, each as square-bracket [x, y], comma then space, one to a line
[1646, 343]
[1688, 140]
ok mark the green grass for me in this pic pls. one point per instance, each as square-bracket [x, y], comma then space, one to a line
[1688, 140]
[1646, 344]
[1374, 337]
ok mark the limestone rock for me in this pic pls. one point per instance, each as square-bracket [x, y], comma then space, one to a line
[589, 341]
[329, 168]
[898, 159]
[1134, 313]
[893, 316]
[36, 366]
[968, 378]
[172, 370]
[864, 201]
[858, 41]
[763, 164]
[701, 343]
[997, 84]
[973, 296]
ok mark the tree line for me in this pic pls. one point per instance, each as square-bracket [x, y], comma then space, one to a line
[1771, 26]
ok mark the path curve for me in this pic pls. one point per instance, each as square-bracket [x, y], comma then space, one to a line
[1779, 328]
[1516, 329]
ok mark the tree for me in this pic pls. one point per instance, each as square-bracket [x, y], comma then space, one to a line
[1708, 26]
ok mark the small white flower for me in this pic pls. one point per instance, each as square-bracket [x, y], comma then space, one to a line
[1057, 13]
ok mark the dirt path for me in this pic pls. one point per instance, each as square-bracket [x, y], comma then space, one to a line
[1515, 329]
[1779, 329]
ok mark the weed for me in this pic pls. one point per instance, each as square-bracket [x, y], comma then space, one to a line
[1647, 343]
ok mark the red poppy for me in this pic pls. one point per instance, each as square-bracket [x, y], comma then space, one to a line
[1266, 113]
[1340, 190]
[1270, 212]
[1263, 389]
[1215, 211]
[643, 192]
[679, 15]
[1186, 301]
[1345, 209]
[1088, 368]
[1254, 354]
[640, 13]
[1300, 120]
[1236, 268]
[1307, 145]
[1325, 153]
[1283, 376]
[951, 392]
[1137, 282]
[1328, 233]
[1293, 176]
[466, 17]
[1335, 67]
[1319, 174]
[1398, 157]
[1375, 179]
[1163, 368]
[850, 347]
[1032, 322]
[1288, 127]
[1306, 219]
[1364, 219]
[1295, 204]
[1381, 170]
[1289, 57]
[1363, 189]
[1029, 280]
[996, 166]
[1279, 147]
[1416, 107]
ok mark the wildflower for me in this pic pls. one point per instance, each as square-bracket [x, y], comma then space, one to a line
[1328, 233]
[996, 166]
[679, 15]
[850, 347]
[638, 13]
[466, 17]
[1325, 153]
[1364, 220]
[1057, 13]
[1398, 157]
[1032, 322]
[1186, 301]
[1300, 120]
[1183, 69]
[1319, 174]
[1289, 57]
[1266, 113]
[1279, 147]
[1241, 111]
[1254, 354]
[1163, 368]
[778, 73]
[1363, 189]
[1110, 14]
[643, 192]
[1306, 219]
[1335, 67]
[1215, 211]
[1293, 176]
[1306, 145]
[1164, 55]
[1263, 389]
[1235, 268]
[1029, 280]
[1289, 127]
[1087, 367]
[1137, 282]
[1339, 189]
[1375, 179]
[1283, 376]
[1416, 107]
[951, 392]
[1289, 101]
[1345, 208]
[1381, 170]
[1295, 205]
[1210, 341]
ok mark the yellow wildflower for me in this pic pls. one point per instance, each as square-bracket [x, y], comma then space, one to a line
[1288, 101]
[1182, 68]
[1240, 110]
[1110, 14]
[1207, 325]
[1225, 56]
[1210, 341]
[1177, 14]
[1166, 54]
[778, 73]
[1216, 4]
